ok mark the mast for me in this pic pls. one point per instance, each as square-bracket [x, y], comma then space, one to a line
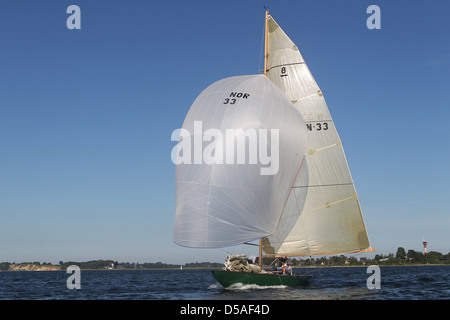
[260, 253]
[266, 33]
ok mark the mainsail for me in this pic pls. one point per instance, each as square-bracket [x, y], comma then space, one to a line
[322, 215]
[222, 198]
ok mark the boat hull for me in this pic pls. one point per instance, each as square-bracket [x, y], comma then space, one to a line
[228, 278]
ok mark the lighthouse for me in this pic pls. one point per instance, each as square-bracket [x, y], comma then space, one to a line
[424, 246]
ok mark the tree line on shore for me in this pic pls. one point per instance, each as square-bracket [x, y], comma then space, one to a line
[402, 257]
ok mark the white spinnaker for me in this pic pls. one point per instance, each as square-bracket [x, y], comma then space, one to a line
[219, 205]
[322, 215]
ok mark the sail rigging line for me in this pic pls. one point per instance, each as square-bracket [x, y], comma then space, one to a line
[287, 198]
[302, 225]
[290, 190]
[304, 232]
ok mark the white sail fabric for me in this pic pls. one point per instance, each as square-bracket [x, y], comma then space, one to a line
[230, 201]
[322, 215]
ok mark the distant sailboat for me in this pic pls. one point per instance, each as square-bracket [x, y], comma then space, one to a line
[308, 206]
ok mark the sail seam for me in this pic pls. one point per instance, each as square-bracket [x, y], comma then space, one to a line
[287, 64]
[324, 120]
[326, 185]
[285, 49]
[318, 253]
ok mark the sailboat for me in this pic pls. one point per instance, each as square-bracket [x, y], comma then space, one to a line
[302, 203]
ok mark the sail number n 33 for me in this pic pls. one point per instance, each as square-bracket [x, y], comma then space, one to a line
[318, 126]
[232, 98]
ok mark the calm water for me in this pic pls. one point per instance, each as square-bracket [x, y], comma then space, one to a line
[397, 283]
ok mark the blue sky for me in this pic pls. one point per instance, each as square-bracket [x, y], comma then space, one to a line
[86, 116]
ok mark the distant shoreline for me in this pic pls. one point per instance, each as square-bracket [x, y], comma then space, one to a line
[206, 268]
[379, 265]
[402, 258]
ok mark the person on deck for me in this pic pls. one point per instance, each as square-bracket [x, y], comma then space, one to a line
[286, 266]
